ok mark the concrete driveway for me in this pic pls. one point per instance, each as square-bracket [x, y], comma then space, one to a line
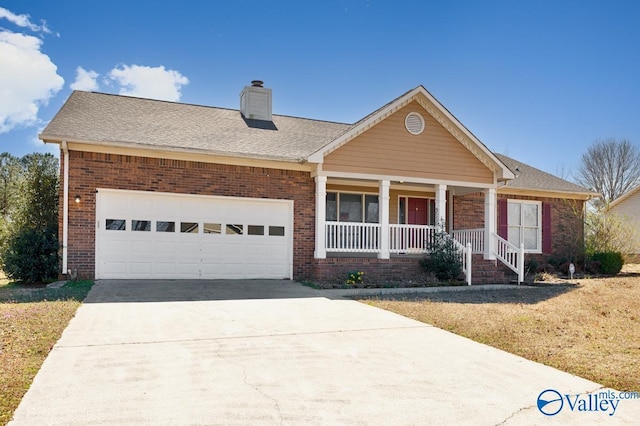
[275, 352]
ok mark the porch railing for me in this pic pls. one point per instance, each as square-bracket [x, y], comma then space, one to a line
[349, 237]
[510, 255]
[410, 239]
[465, 252]
[475, 237]
[352, 237]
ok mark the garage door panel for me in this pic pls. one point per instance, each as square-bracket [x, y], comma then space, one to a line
[188, 270]
[142, 247]
[140, 268]
[245, 249]
[164, 269]
[164, 247]
[115, 268]
[186, 248]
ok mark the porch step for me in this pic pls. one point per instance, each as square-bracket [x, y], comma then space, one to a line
[490, 272]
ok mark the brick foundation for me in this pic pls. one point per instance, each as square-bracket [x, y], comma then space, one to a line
[376, 271]
[490, 271]
[406, 270]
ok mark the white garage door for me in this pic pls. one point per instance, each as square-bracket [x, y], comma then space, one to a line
[144, 235]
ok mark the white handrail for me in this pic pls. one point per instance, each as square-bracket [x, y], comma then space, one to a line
[465, 254]
[510, 255]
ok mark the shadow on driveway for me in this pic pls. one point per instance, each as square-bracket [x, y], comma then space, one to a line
[527, 295]
[131, 291]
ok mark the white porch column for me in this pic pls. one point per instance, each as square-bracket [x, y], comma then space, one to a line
[383, 211]
[451, 212]
[321, 213]
[441, 204]
[490, 221]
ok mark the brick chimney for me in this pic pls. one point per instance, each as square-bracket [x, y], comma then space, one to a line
[255, 102]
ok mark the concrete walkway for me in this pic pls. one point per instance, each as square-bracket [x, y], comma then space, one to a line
[275, 352]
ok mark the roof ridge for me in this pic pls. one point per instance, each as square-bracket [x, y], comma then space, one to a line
[204, 106]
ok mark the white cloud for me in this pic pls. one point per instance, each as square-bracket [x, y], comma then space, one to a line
[85, 80]
[39, 146]
[29, 78]
[149, 82]
[23, 21]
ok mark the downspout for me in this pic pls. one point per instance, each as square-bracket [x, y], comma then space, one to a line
[65, 206]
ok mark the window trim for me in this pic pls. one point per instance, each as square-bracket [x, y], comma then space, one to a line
[538, 249]
[364, 207]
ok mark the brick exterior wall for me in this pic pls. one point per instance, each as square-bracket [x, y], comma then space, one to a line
[404, 270]
[567, 222]
[468, 211]
[334, 270]
[89, 171]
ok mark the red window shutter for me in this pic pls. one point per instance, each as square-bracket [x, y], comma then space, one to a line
[547, 245]
[503, 226]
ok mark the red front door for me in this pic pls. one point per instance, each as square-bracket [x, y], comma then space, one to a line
[418, 211]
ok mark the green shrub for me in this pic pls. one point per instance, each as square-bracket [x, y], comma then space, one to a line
[31, 256]
[444, 260]
[610, 262]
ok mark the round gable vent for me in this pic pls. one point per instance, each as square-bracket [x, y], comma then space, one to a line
[414, 123]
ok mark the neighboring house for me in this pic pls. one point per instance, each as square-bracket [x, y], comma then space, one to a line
[154, 189]
[627, 207]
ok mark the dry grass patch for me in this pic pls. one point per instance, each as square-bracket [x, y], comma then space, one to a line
[590, 329]
[31, 321]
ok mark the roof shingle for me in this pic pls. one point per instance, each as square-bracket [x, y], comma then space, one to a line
[528, 177]
[130, 121]
[115, 119]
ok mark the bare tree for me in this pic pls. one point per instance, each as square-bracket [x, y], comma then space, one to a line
[610, 167]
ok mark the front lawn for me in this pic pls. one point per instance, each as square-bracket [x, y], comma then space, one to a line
[590, 329]
[31, 321]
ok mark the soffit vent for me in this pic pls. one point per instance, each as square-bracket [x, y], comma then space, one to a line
[414, 123]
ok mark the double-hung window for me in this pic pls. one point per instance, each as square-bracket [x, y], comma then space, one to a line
[350, 207]
[524, 220]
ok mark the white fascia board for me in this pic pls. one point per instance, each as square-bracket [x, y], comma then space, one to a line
[153, 151]
[373, 177]
[623, 197]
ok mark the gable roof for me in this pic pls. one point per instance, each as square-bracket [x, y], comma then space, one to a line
[438, 112]
[624, 196]
[530, 178]
[124, 121]
[115, 120]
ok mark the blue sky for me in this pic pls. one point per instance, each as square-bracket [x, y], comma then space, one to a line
[536, 80]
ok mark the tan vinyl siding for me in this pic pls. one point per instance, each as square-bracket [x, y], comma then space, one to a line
[389, 149]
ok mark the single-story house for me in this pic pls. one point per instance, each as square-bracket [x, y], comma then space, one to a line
[155, 189]
[627, 207]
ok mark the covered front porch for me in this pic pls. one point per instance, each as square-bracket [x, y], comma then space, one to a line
[389, 218]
